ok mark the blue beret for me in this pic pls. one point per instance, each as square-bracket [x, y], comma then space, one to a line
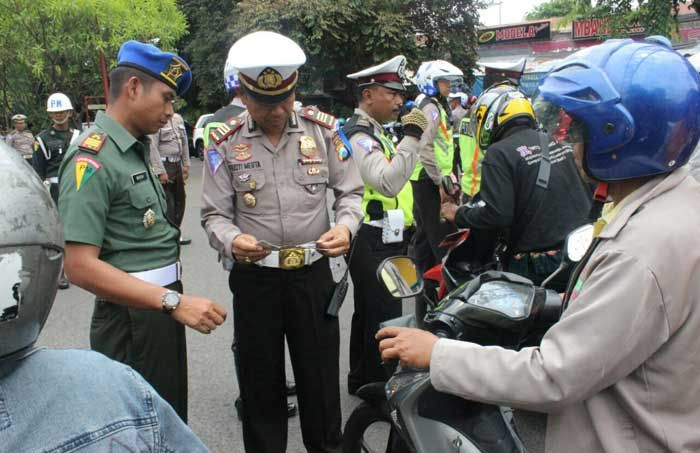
[164, 66]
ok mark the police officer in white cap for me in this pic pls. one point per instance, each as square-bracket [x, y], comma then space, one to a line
[264, 206]
[387, 206]
[21, 139]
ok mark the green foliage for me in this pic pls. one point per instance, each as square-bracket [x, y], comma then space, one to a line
[53, 45]
[339, 37]
[560, 8]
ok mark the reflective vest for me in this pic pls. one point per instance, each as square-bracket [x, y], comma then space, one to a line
[443, 146]
[403, 200]
[471, 156]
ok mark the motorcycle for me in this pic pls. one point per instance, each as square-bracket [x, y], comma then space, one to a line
[494, 308]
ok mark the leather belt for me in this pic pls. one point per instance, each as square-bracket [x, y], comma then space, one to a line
[172, 160]
[290, 258]
[163, 276]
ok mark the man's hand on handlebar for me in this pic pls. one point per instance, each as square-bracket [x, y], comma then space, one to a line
[413, 347]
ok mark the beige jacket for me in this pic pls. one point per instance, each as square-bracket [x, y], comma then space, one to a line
[620, 372]
[169, 142]
[277, 193]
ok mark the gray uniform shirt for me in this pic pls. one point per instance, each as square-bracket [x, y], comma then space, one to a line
[22, 142]
[619, 371]
[169, 142]
[277, 193]
[427, 149]
[384, 176]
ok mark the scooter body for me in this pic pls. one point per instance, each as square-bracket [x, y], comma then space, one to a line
[496, 308]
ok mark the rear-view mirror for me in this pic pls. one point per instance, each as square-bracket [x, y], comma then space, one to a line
[577, 243]
[400, 276]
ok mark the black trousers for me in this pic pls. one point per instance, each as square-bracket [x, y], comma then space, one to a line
[373, 305]
[150, 342]
[430, 231]
[175, 192]
[269, 305]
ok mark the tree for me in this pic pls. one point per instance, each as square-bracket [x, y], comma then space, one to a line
[559, 8]
[339, 37]
[53, 45]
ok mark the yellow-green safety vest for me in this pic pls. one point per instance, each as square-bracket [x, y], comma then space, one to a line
[443, 147]
[471, 156]
[403, 200]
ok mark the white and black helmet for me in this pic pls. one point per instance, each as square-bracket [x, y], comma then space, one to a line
[31, 253]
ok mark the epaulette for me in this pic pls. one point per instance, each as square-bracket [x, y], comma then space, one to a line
[222, 132]
[318, 117]
[93, 142]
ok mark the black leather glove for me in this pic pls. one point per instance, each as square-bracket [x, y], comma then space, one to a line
[414, 123]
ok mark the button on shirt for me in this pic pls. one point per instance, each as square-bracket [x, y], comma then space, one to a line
[287, 182]
[169, 142]
[112, 200]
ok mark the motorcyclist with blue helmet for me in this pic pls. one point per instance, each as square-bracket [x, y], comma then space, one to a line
[619, 371]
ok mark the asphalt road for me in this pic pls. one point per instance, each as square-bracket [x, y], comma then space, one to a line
[212, 381]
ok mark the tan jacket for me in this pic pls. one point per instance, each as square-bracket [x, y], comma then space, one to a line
[620, 372]
[386, 177]
[277, 193]
[170, 141]
[22, 142]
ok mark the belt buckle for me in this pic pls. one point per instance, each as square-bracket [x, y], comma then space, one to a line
[291, 258]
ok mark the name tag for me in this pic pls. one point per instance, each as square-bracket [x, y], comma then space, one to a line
[138, 177]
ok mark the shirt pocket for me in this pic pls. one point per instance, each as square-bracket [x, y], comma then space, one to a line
[313, 179]
[246, 183]
[167, 134]
[142, 197]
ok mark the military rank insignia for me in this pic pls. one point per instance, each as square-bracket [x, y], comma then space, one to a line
[318, 117]
[93, 142]
[85, 167]
[222, 132]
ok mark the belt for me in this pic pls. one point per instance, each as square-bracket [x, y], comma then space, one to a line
[172, 160]
[289, 258]
[163, 276]
[53, 179]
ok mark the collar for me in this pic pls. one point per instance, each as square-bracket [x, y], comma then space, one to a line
[628, 206]
[251, 128]
[378, 129]
[119, 135]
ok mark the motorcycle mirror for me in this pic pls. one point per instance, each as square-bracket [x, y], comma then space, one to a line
[577, 243]
[400, 277]
[575, 247]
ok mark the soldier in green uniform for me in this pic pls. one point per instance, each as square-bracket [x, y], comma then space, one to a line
[120, 244]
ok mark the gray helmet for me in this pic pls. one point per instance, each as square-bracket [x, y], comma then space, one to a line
[31, 253]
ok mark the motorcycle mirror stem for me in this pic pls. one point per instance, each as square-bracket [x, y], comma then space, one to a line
[575, 247]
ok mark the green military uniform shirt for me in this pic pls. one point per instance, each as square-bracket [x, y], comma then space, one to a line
[110, 198]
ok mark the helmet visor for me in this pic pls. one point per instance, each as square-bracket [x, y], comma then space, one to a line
[558, 123]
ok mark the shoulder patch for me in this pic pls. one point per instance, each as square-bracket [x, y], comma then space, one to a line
[93, 142]
[222, 132]
[318, 117]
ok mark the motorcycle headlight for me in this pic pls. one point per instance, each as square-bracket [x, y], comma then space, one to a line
[403, 379]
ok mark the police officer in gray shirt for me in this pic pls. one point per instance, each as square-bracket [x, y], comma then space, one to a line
[264, 205]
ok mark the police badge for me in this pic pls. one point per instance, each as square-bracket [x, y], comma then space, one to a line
[307, 146]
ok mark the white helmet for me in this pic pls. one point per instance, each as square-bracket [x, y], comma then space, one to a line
[58, 102]
[430, 72]
[231, 80]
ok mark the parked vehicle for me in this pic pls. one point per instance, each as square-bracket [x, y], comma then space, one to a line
[198, 134]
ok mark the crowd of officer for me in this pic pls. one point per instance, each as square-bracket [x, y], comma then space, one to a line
[119, 188]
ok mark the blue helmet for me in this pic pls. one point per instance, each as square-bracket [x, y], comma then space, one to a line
[637, 106]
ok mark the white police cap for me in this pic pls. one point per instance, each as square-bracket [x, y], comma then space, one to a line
[390, 74]
[267, 63]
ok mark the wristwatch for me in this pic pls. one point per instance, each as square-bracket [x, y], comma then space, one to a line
[170, 300]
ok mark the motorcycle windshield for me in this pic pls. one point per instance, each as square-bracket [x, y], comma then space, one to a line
[512, 300]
